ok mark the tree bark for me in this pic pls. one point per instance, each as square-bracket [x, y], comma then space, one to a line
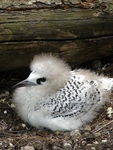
[74, 33]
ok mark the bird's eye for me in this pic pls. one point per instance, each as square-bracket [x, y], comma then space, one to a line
[40, 80]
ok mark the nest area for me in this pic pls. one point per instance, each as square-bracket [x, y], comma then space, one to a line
[15, 134]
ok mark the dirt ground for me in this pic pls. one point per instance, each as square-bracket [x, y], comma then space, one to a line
[16, 135]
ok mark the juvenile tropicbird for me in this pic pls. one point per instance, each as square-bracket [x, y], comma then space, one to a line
[57, 98]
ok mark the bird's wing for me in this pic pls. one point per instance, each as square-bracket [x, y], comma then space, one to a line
[74, 99]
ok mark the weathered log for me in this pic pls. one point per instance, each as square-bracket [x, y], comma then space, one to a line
[19, 54]
[78, 35]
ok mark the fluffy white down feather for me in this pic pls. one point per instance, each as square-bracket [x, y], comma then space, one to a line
[57, 98]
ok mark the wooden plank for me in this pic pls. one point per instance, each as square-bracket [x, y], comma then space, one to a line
[75, 52]
[77, 35]
[54, 24]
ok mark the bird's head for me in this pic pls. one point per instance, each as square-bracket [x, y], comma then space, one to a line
[46, 70]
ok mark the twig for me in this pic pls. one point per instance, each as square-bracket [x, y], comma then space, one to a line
[103, 126]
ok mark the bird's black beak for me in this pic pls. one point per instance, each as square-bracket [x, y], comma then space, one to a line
[24, 83]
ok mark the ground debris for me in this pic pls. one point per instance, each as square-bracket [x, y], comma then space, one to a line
[27, 148]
